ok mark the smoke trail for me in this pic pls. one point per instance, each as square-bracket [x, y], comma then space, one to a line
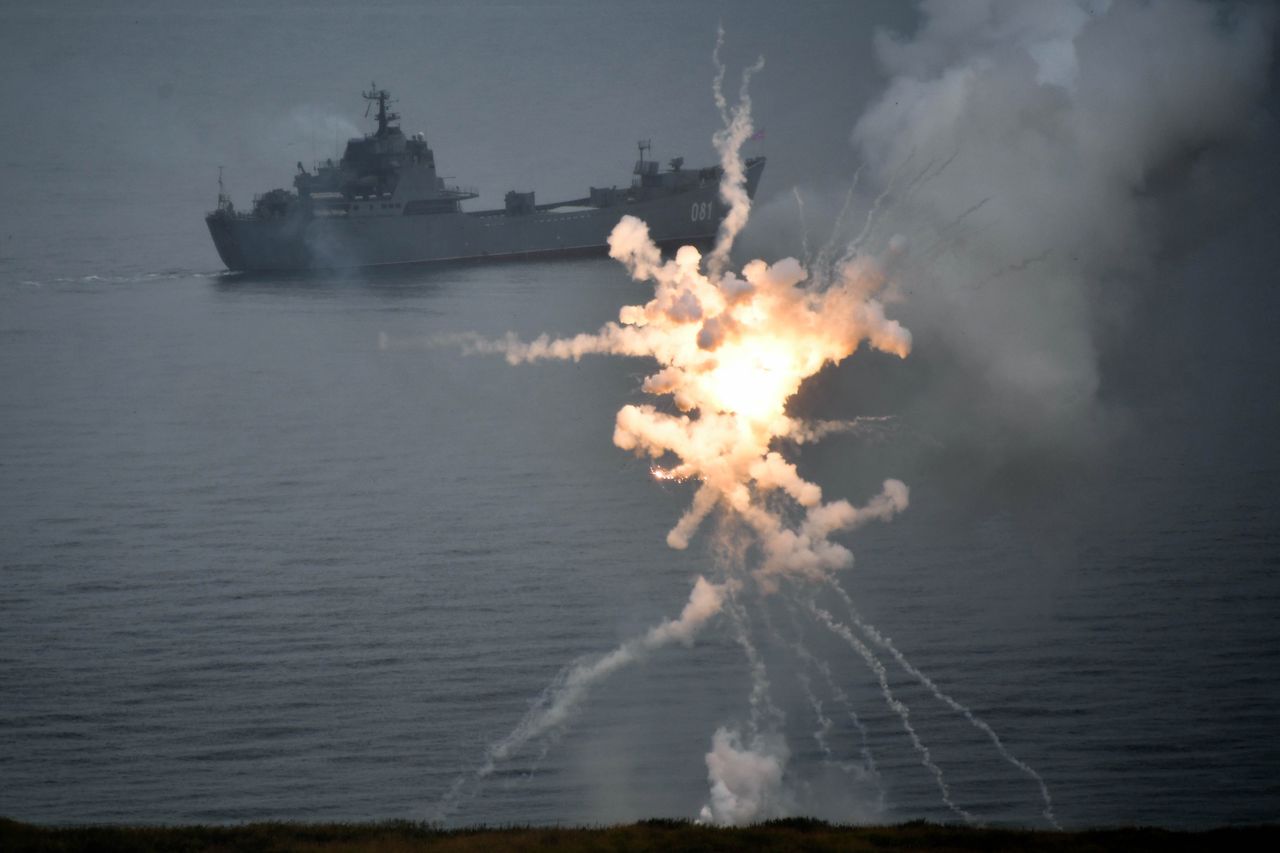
[825, 725]
[765, 715]
[885, 643]
[898, 707]
[561, 701]
[810, 432]
[838, 696]
[747, 780]
[558, 702]
[823, 260]
[728, 142]
[804, 227]
[731, 350]
[868, 765]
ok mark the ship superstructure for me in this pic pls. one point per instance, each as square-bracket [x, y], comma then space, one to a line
[384, 203]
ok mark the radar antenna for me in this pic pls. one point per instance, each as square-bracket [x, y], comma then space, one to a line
[382, 97]
[644, 168]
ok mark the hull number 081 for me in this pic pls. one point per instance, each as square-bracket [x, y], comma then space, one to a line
[700, 211]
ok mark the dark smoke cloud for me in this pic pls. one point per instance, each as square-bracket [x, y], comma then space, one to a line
[1041, 159]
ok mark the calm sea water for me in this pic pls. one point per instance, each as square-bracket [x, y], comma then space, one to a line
[268, 553]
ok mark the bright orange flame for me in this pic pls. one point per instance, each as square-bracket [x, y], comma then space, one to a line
[753, 379]
[731, 352]
[667, 475]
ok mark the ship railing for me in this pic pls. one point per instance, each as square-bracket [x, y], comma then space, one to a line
[224, 213]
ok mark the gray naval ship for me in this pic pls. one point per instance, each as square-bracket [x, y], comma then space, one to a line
[384, 203]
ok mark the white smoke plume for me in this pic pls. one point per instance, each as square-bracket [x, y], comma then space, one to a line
[746, 782]
[730, 353]
[1049, 131]
[728, 142]
[731, 350]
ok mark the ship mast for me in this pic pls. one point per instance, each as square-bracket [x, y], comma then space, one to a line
[224, 200]
[383, 97]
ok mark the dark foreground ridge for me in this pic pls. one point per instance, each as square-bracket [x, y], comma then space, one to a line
[783, 836]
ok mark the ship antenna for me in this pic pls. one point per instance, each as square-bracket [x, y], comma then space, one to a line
[644, 145]
[383, 97]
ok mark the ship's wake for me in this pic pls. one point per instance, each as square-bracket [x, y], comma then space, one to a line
[731, 349]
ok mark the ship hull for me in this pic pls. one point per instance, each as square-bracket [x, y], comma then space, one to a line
[305, 242]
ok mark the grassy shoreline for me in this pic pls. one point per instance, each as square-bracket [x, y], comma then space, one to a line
[655, 835]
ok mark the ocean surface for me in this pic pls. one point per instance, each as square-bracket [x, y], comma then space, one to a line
[272, 548]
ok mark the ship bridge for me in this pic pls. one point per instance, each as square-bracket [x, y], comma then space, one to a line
[381, 165]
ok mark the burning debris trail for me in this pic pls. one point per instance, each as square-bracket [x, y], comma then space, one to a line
[731, 350]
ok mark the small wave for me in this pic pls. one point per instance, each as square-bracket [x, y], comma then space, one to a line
[126, 278]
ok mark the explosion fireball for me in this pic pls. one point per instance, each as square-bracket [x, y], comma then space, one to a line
[731, 350]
